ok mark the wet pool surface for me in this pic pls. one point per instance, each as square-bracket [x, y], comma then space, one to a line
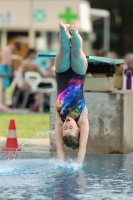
[42, 177]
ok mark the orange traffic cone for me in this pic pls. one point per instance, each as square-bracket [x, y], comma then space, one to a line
[11, 142]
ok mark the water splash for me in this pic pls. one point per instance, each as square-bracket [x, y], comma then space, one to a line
[69, 166]
[28, 142]
[9, 171]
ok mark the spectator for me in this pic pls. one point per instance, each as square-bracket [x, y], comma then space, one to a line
[28, 65]
[6, 64]
[21, 86]
[128, 62]
[101, 53]
[50, 71]
[112, 54]
[25, 66]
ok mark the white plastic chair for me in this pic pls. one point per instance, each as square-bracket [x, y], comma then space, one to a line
[39, 85]
[34, 80]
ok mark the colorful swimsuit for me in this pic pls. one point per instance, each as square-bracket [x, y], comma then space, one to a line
[70, 98]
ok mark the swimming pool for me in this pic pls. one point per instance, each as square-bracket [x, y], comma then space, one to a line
[40, 177]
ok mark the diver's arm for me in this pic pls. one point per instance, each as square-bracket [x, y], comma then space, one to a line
[84, 131]
[59, 138]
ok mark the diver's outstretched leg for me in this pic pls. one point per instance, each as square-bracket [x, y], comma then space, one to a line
[62, 60]
[78, 59]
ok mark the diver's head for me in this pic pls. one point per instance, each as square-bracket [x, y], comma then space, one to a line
[71, 133]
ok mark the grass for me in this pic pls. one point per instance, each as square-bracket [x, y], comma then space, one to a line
[27, 125]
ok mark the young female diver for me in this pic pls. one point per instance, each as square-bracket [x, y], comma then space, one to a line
[72, 126]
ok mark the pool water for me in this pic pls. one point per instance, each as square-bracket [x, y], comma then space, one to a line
[42, 177]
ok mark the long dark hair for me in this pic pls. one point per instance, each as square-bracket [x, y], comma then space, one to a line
[72, 141]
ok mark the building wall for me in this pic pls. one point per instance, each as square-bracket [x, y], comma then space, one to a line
[42, 15]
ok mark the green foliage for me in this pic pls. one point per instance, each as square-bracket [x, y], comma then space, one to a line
[27, 125]
[121, 17]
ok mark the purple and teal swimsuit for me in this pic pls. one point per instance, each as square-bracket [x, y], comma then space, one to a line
[70, 98]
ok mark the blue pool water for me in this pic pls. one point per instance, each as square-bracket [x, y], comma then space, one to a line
[42, 177]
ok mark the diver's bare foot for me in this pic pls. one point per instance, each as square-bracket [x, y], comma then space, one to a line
[64, 29]
[76, 40]
[73, 29]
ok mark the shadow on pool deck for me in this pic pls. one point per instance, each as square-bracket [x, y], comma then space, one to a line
[31, 145]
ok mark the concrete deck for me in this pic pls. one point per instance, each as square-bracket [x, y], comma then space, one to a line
[35, 145]
[31, 145]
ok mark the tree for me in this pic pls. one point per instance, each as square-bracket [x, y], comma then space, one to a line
[121, 31]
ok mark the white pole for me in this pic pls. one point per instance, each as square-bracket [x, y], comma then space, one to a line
[31, 28]
[31, 38]
[106, 42]
[3, 39]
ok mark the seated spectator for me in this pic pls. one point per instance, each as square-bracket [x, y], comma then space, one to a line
[128, 64]
[50, 71]
[28, 65]
[101, 53]
[112, 54]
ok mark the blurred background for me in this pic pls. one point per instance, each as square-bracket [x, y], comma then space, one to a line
[106, 28]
